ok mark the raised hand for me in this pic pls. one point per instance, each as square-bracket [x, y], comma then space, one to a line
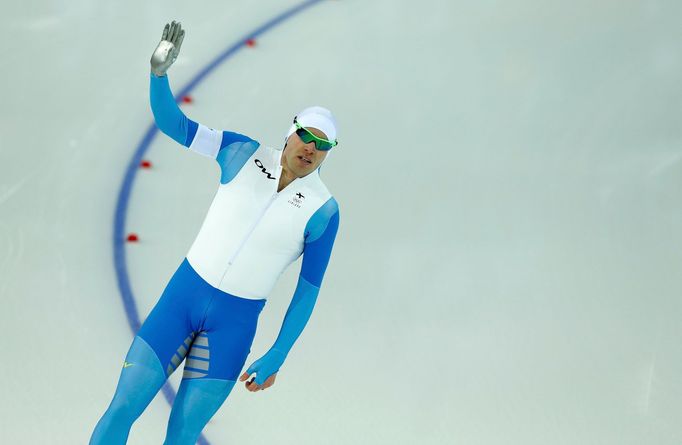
[168, 48]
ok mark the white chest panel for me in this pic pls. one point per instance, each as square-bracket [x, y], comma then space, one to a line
[251, 233]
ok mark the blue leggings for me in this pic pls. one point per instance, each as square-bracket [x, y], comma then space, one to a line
[212, 329]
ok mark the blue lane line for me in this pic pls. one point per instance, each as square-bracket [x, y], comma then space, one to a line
[120, 265]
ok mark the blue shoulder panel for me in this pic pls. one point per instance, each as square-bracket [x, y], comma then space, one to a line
[318, 222]
[230, 137]
[320, 233]
[232, 157]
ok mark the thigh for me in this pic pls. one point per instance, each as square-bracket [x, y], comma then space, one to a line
[232, 345]
[219, 352]
[169, 328]
[229, 330]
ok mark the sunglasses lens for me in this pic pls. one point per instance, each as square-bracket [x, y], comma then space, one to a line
[305, 136]
[308, 137]
[324, 146]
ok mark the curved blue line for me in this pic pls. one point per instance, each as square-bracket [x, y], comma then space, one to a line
[120, 264]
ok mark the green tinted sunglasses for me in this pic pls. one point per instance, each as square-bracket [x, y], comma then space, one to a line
[307, 137]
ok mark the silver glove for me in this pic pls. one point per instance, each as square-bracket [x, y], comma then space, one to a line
[168, 48]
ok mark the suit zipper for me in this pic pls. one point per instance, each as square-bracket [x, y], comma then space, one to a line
[253, 227]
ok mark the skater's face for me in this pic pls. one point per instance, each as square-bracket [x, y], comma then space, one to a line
[301, 158]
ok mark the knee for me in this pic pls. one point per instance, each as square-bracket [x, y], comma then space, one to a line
[115, 424]
[123, 407]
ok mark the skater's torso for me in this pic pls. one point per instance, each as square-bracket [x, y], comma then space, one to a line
[252, 231]
[254, 228]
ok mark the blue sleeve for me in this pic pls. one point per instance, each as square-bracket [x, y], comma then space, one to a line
[168, 116]
[320, 234]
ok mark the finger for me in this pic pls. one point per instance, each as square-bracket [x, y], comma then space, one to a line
[164, 36]
[252, 386]
[243, 377]
[178, 29]
[180, 38]
[270, 381]
[171, 33]
[255, 385]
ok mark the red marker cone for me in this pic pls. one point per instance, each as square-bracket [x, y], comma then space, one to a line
[250, 43]
[146, 164]
[132, 238]
[187, 99]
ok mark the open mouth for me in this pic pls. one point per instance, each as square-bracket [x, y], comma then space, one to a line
[304, 159]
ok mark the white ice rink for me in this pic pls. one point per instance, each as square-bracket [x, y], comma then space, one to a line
[508, 267]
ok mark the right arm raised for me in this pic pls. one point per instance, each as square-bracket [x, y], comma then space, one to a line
[230, 149]
[166, 112]
[197, 137]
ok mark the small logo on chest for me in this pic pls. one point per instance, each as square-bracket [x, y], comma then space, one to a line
[297, 200]
[262, 168]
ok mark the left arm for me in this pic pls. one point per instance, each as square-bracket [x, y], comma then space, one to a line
[320, 234]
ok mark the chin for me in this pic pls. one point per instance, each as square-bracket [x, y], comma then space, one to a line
[306, 172]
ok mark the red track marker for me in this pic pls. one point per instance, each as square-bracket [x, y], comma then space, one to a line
[187, 99]
[132, 238]
[146, 164]
[250, 43]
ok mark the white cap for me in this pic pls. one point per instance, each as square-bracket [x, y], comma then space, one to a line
[316, 117]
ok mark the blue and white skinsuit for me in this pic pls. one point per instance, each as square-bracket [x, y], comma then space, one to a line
[209, 310]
